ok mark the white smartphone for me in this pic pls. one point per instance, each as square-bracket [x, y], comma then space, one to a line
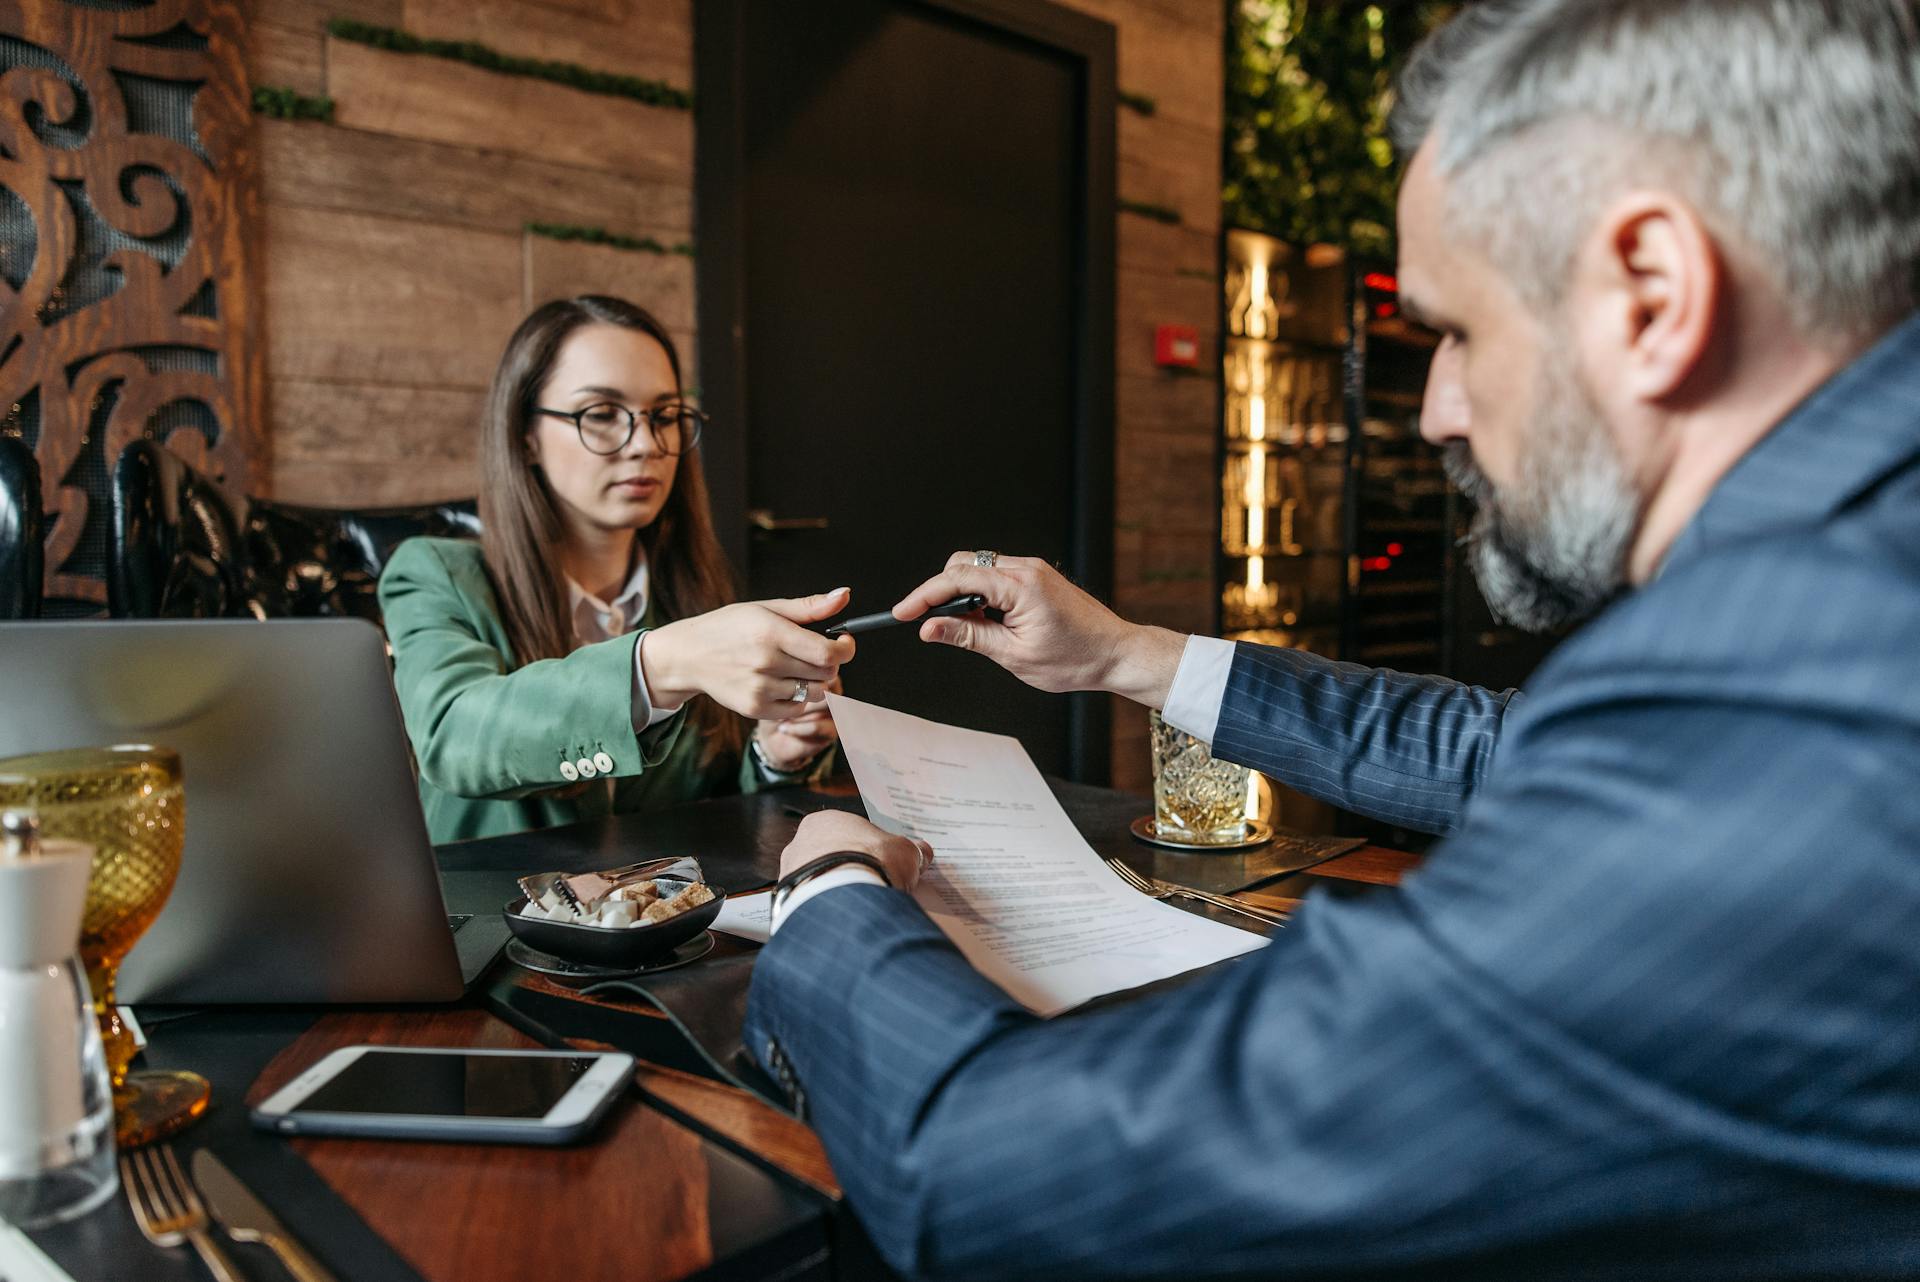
[499, 1096]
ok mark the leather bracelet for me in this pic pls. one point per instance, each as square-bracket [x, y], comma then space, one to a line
[814, 867]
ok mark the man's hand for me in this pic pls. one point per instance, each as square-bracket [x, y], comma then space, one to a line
[1053, 635]
[827, 831]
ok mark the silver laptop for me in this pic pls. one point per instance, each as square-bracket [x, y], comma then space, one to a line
[307, 875]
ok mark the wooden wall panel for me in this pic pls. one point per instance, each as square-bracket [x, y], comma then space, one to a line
[398, 256]
[598, 10]
[333, 422]
[663, 283]
[388, 483]
[1145, 244]
[386, 300]
[442, 101]
[312, 15]
[287, 57]
[652, 39]
[343, 169]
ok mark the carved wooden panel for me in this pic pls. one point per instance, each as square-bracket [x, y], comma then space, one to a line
[127, 222]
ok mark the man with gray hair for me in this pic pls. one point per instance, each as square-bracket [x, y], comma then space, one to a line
[1648, 1009]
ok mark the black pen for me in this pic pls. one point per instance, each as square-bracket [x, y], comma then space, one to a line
[872, 622]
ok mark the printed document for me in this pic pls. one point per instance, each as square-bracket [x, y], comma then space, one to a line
[1013, 884]
[745, 916]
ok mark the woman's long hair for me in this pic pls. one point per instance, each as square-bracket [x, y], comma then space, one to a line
[520, 524]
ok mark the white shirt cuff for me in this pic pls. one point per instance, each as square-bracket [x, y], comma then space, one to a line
[1199, 687]
[646, 713]
[845, 875]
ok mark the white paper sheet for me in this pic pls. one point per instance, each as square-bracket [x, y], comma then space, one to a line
[747, 916]
[22, 1261]
[1014, 885]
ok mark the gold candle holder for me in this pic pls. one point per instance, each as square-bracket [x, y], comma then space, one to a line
[127, 803]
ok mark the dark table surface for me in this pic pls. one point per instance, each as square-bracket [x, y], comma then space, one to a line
[745, 1184]
[738, 841]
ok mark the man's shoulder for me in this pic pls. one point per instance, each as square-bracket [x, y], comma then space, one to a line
[1819, 616]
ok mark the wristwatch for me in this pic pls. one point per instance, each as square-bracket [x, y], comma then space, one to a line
[775, 772]
[814, 867]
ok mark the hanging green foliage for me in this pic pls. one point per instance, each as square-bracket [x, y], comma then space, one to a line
[654, 93]
[601, 236]
[1159, 213]
[1308, 87]
[282, 102]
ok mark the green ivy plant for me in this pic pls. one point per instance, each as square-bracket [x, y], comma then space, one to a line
[601, 236]
[654, 93]
[285, 103]
[1159, 213]
[1309, 83]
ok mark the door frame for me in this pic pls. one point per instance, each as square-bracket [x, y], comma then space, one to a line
[720, 230]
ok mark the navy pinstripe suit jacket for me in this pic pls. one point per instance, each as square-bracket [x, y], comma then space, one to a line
[1651, 1009]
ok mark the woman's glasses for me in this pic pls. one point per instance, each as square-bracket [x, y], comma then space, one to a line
[605, 428]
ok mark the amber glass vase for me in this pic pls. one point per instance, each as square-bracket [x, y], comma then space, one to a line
[126, 802]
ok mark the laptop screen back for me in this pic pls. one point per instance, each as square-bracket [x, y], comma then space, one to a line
[307, 875]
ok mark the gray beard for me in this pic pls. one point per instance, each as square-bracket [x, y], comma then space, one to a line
[1551, 548]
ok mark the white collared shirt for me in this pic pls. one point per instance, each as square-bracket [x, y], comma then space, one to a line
[597, 620]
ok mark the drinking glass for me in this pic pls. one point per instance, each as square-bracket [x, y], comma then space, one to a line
[126, 802]
[1197, 800]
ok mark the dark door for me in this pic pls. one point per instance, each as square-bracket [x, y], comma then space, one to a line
[907, 318]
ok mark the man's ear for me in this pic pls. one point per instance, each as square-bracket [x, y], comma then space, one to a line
[1663, 286]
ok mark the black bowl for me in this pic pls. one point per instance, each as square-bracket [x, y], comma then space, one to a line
[617, 947]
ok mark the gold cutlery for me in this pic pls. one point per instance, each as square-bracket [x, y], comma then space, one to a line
[246, 1220]
[1157, 889]
[168, 1210]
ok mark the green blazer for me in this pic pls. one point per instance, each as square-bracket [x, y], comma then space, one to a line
[490, 738]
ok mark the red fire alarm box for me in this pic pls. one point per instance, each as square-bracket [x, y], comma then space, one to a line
[1177, 346]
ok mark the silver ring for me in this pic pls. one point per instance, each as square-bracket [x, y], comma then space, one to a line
[986, 558]
[799, 692]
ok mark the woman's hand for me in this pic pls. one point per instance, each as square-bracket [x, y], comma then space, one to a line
[788, 745]
[752, 657]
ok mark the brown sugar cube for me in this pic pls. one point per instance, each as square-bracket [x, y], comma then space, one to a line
[692, 897]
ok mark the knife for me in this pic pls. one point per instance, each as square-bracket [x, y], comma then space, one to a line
[246, 1220]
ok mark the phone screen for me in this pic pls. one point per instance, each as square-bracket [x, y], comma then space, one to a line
[448, 1084]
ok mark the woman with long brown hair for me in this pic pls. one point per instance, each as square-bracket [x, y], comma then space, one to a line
[586, 655]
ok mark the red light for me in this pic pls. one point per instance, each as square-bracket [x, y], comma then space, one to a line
[1381, 281]
[1394, 549]
[1384, 310]
[1377, 563]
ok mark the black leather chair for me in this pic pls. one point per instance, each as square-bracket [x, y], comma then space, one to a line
[185, 547]
[22, 532]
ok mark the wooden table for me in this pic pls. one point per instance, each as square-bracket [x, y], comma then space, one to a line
[693, 1177]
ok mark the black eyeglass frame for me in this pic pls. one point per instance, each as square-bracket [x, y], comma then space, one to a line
[686, 414]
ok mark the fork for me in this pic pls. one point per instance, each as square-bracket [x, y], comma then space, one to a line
[168, 1208]
[1156, 889]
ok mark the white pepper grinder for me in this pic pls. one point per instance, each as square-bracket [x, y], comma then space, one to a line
[56, 1105]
